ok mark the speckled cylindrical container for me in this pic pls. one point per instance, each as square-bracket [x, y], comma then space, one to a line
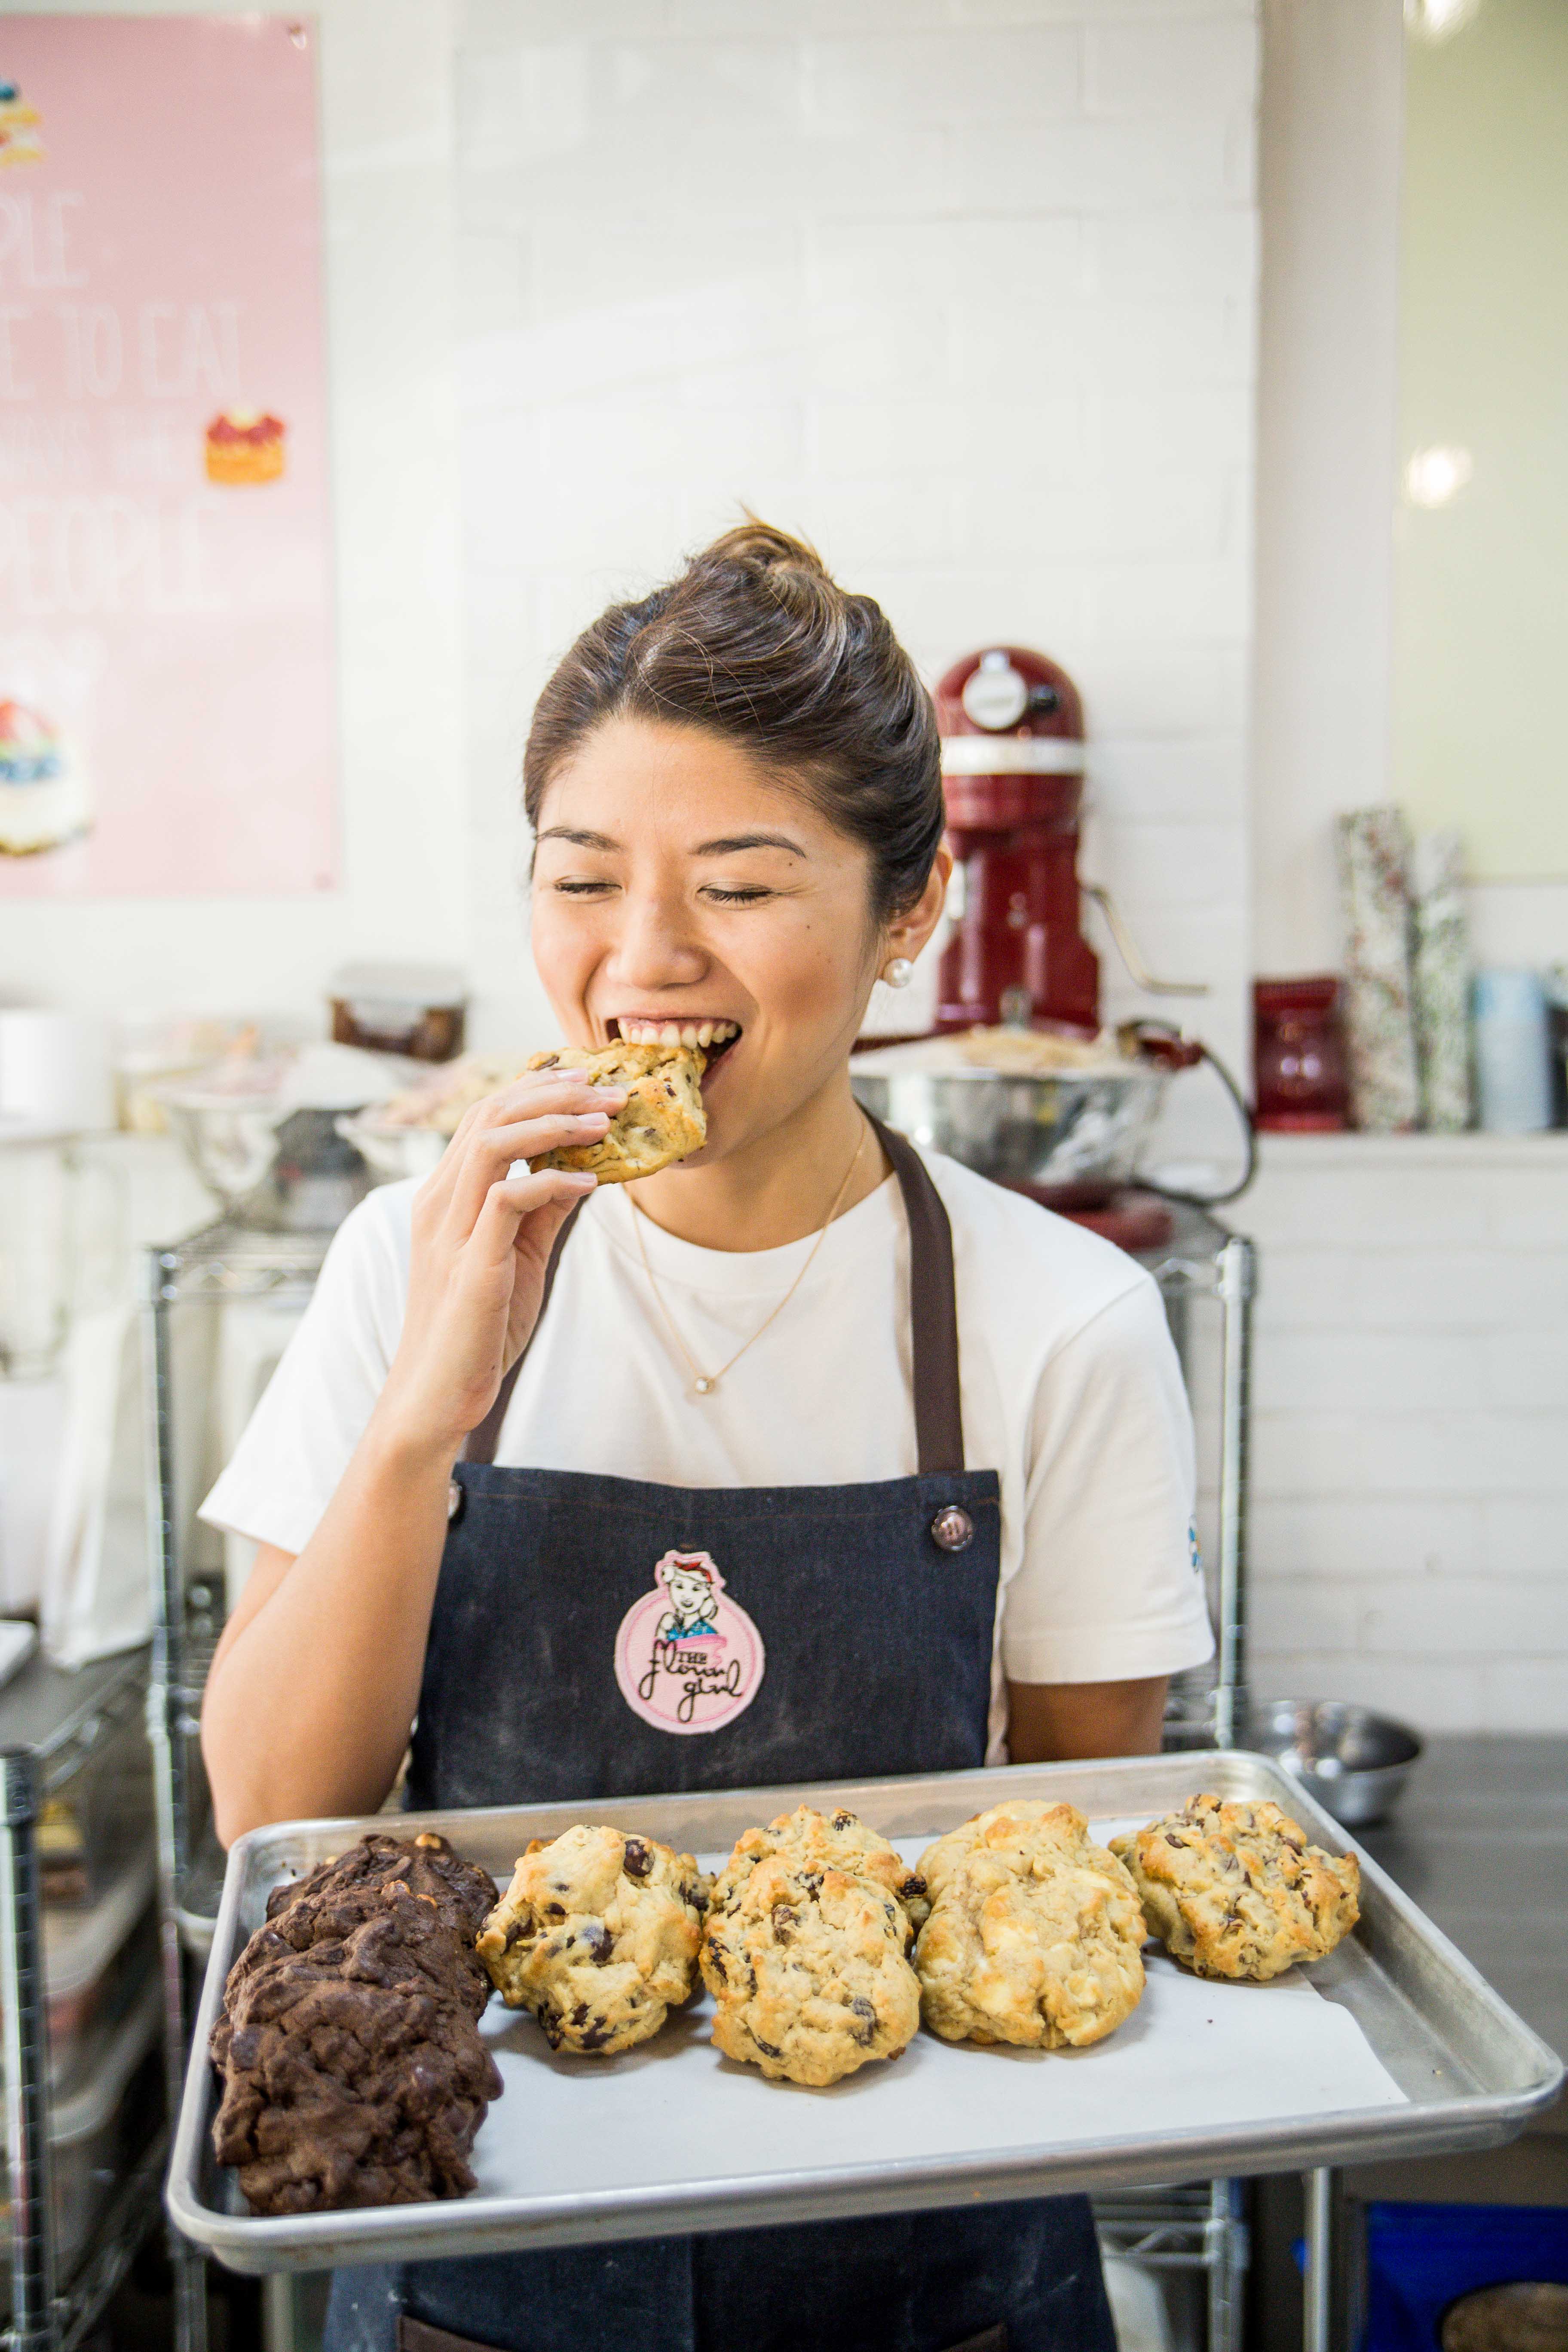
[1442, 975]
[1374, 853]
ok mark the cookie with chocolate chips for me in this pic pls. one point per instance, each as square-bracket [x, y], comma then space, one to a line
[1234, 1891]
[806, 1948]
[662, 1119]
[597, 1935]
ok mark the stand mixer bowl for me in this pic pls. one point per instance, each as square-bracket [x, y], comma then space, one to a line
[1076, 1137]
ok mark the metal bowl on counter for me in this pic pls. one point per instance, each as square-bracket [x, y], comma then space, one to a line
[262, 1130]
[1076, 1134]
[1354, 1762]
[393, 1153]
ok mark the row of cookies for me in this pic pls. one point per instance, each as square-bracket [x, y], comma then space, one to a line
[349, 2052]
[823, 1950]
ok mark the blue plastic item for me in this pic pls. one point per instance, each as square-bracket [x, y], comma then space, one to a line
[1422, 2258]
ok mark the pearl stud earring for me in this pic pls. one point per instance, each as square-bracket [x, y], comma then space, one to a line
[898, 973]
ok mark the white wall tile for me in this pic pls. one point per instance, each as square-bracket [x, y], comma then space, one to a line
[940, 437]
[1092, 167]
[1147, 69]
[1033, 71]
[1361, 1207]
[1524, 1693]
[1183, 603]
[1525, 1535]
[1362, 1538]
[1164, 254]
[1317, 1453]
[1373, 1372]
[1444, 1694]
[1527, 1616]
[1530, 1369]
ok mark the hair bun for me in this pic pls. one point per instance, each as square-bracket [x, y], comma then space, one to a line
[763, 548]
[755, 642]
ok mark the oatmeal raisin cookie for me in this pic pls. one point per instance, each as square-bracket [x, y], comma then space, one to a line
[1234, 1890]
[806, 1948]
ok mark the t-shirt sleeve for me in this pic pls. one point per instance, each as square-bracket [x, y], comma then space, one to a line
[1109, 1587]
[313, 1410]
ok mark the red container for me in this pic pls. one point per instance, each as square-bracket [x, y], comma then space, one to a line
[1297, 1057]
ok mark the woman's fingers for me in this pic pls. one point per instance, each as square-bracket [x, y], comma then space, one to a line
[511, 1198]
[491, 1150]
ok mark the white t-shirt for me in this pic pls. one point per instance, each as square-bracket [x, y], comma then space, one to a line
[1071, 1393]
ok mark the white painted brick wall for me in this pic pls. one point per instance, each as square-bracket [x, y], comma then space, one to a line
[964, 289]
[1410, 1490]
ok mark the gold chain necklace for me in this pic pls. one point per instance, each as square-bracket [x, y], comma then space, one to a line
[704, 1383]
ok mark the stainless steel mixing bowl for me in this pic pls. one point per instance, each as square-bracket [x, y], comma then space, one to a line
[1079, 1132]
[1354, 1762]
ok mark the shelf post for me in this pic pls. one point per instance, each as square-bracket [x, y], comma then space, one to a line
[35, 2319]
[1237, 1267]
[167, 1730]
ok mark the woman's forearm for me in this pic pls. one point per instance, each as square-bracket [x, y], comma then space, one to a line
[315, 1684]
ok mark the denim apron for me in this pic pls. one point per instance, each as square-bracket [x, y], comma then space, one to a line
[599, 1637]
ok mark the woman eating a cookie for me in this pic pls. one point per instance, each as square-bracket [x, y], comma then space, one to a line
[805, 1456]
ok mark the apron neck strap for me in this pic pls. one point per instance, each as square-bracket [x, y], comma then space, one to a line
[933, 1320]
[933, 1309]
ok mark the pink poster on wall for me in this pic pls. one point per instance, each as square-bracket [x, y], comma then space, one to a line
[168, 699]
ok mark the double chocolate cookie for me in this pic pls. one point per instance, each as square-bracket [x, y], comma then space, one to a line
[806, 1948]
[1234, 1890]
[348, 2048]
[597, 1935]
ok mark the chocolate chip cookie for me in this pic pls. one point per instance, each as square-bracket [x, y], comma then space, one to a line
[806, 1948]
[348, 2047]
[662, 1120]
[1234, 1890]
[1035, 1935]
[597, 1935]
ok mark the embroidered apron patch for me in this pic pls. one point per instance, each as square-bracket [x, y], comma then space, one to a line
[688, 1657]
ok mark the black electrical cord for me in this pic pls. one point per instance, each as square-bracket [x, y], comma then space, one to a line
[1211, 1199]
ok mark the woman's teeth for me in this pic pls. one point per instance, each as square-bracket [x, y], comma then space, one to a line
[678, 1032]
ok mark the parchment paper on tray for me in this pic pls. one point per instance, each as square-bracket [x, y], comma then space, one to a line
[1391, 2046]
[1192, 2057]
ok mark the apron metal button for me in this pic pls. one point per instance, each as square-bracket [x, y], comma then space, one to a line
[454, 1498]
[953, 1529]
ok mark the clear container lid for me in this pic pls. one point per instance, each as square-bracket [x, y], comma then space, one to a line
[78, 1945]
[421, 987]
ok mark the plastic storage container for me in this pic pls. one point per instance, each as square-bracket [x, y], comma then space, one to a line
[96, 1962]
[417, 1009]
[1425, 2264]
[84, 1836]
[96, 2132]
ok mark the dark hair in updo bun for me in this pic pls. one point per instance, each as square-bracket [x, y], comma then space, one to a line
[756, 642]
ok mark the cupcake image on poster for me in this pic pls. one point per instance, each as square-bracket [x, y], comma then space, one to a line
[244, 445]
[44, 799]
[21, 138]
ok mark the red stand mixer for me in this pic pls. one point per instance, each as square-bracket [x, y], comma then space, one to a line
[1012, 761]
[1012, 770]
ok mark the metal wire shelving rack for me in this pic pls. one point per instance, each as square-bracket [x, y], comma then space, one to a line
[53, 1726]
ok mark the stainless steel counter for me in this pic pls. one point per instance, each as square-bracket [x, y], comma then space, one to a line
[1481, 1843]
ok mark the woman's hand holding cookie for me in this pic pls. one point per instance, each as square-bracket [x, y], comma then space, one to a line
[481, 1241]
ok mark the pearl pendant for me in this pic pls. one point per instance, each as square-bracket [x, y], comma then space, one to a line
[703, 1384]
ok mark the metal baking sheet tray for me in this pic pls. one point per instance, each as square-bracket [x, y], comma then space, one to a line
[1393, 2046]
